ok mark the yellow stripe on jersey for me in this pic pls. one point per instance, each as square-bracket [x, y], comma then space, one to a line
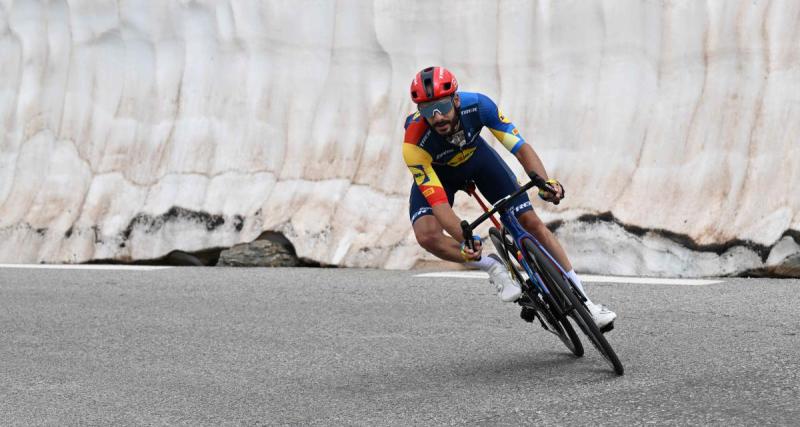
[461, 157]
[509, 140]
[419, 163]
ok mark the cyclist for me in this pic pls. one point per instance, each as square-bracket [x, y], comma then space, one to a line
[443, 149]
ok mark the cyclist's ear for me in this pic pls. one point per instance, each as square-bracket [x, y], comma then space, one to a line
[456, 101]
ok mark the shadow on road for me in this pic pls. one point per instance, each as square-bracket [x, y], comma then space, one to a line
[543, 364]
[479, 372]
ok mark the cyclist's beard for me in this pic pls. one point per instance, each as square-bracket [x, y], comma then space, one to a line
[455, 125]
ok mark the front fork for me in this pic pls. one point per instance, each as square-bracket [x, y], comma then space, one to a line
[541, 291]
[512, 228]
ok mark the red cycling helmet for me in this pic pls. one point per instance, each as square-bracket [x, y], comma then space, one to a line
[433, 83]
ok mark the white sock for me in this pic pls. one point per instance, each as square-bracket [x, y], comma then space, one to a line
[574, 277]
[484, 263]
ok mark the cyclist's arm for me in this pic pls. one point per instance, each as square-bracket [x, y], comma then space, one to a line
[530, 161]
[508, 135]
[419, 163]
[447, 217]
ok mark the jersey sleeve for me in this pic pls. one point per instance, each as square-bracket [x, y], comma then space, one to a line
[419, 162]
[500, 125]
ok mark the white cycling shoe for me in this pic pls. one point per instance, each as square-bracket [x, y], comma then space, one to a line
[602, 316]
[507, 288]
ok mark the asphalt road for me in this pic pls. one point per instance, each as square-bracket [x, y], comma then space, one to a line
[364, 347]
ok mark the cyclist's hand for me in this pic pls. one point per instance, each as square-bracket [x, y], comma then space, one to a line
[549, 196]
[472, 254]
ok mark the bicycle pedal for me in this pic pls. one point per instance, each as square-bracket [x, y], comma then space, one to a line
[527, 314]
[607, 328]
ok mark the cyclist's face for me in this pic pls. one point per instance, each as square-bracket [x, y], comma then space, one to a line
[443, 123]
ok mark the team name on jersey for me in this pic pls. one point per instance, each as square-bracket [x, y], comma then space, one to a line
[424, 139]
[445, 153]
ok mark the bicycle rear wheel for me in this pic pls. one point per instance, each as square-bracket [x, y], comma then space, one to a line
[562, 329]
[557, 284]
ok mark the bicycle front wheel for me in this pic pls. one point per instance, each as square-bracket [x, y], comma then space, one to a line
[560, 328]
[556, 283]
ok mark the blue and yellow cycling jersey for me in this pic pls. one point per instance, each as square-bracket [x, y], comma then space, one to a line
[424, 150]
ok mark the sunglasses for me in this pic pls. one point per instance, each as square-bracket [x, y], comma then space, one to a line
[441, 106]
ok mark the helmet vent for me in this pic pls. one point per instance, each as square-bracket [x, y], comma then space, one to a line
[428, 83]
[447, 86]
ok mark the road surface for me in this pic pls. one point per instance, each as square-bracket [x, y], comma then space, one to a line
[367, 347]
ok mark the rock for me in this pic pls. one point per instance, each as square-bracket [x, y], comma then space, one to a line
[183, 258]
[790, 267]
[259, 253]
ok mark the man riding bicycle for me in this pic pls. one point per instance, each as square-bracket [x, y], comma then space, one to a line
[443, 150]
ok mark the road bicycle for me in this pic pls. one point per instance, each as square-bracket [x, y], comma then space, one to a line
[547, 293]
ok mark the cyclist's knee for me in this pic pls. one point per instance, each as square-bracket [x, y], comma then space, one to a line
[428, 241]
[428, 232]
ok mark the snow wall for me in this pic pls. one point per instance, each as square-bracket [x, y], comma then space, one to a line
[131, 129]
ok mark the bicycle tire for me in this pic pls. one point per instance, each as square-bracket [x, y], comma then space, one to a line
[561, 328]
[579, 312]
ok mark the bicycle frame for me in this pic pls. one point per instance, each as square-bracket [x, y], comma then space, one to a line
[562, 300]
[517, 232]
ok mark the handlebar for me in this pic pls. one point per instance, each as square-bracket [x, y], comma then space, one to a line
[536, 181]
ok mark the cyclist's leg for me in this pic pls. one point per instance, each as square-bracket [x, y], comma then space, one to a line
[496, 180]
[531, 222]
[429, 233]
